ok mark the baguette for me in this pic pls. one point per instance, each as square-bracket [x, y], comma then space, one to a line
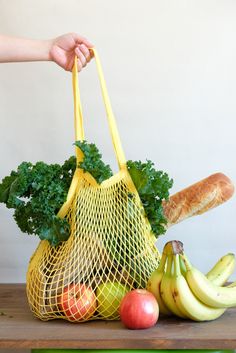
[198, 198]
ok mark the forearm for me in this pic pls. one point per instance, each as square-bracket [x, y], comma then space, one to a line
[13, 49]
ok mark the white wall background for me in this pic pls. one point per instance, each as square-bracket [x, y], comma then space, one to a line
[171, 73]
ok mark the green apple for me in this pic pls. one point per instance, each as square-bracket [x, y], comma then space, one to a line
[109, 296]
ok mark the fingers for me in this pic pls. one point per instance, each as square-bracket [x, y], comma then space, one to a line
[87, 43]
[82, 40]
[87, 52]
[84, 56]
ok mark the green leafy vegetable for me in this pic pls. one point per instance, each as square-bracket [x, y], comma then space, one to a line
[153, 187]
[92, 162]
[37, 192]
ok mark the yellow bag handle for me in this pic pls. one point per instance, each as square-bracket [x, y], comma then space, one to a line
[78, 115]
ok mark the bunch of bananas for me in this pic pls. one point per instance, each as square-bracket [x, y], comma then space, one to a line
[184, 291]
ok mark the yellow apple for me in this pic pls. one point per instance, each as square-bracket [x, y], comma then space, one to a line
[109, 296]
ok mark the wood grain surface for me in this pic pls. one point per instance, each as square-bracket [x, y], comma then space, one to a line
[19, 329]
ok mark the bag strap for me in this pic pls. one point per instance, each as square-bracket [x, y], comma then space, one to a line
[78, 114]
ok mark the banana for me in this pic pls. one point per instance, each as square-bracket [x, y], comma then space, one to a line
[186, 301]
[222, 270]
[166, 292]
[209, 293]
[175, 293]
[153, 285]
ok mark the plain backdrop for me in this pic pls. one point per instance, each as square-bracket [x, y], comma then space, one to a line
[171, 75]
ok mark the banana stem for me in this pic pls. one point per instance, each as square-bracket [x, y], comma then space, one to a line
[162, 264]
[168, 249]
[173, 247]
[186, 262]
[169, 264]
[182, 266]
[177, 270]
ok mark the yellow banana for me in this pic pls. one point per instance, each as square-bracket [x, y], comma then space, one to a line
[222, 270]
[166, 292]
[186, 301]
[209, 293]
[153, 285]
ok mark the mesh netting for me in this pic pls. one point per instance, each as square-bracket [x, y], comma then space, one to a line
[109, 252]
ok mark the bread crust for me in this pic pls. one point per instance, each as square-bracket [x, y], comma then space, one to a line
[198, 198]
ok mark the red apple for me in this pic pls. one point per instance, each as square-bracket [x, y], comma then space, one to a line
[78, 302]
[139, 309]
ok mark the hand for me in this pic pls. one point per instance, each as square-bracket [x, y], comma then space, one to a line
[64, 48]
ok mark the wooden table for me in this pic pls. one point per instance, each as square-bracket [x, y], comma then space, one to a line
[19, 329]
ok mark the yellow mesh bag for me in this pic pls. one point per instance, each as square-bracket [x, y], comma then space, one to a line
[110, 250]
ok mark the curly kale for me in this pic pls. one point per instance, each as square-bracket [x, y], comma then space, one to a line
[153, 187]
[37, 192]
[92, 162]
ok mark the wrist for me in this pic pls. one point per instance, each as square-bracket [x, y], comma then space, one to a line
[45, 49]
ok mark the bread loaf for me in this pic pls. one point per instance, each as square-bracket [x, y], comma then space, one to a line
[198, 198]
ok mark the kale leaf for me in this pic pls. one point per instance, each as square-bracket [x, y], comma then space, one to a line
[37, 192]
[153, 187]
[92, 162]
